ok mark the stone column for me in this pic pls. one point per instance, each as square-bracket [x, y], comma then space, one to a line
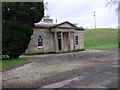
[74, 40]
[83, 39]
[51, 42]
[56, 41]
[69, 40]
[62, 41]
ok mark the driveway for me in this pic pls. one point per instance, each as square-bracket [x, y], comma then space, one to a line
[90, 68]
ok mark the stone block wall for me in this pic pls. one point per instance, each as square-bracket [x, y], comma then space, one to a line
[33, 45]
[81, 40]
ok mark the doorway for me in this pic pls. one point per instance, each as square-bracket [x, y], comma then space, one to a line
[59, 42]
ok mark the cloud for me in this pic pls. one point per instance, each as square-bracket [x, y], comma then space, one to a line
[81, 12]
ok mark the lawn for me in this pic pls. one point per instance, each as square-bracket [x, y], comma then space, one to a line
[101, 38]
[12, 63]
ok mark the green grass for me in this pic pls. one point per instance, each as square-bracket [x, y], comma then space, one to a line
[101, 38]
[12, 63]
[104, 29]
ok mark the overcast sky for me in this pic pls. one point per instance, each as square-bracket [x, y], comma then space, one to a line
[82, 12]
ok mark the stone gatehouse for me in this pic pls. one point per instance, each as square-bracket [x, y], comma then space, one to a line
[49, 37]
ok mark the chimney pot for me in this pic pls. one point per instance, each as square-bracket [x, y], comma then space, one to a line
[48, 20]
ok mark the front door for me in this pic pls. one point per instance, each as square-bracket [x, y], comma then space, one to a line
[59, 42]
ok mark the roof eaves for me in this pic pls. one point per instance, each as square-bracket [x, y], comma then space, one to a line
[80, 29]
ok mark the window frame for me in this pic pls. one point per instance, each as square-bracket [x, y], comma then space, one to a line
[76, 40]
[40, 42]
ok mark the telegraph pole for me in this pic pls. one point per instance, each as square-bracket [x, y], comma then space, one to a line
[95, 19]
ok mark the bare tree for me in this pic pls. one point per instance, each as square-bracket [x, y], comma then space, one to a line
[45, 6]
[114, 3]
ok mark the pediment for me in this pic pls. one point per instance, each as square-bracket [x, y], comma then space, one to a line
[65, 25]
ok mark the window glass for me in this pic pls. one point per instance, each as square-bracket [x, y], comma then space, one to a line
[76, 40]
[40, 41]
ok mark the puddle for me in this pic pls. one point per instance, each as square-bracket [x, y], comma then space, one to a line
[111, 73]
[62, 83]
[116, 66]
[108, 72]
[114, 62]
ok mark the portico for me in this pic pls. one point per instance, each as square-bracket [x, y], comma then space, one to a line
[59, 38]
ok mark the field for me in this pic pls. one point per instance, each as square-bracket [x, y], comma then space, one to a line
[101, 38]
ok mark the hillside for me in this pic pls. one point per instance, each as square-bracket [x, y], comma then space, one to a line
[101, 38]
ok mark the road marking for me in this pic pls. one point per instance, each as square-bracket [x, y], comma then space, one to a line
[62, 83]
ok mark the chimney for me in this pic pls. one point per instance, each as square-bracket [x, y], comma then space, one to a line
[75, 24]
[56, 21]
[48, 20]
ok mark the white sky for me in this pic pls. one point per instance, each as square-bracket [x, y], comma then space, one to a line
[81, 12]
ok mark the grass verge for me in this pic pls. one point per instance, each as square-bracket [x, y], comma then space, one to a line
[10, 64]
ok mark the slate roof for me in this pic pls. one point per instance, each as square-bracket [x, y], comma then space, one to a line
[52, 25]
[42, 24]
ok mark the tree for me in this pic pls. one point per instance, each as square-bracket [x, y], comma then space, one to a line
[115, 3]
[112, 3]
[18, 20]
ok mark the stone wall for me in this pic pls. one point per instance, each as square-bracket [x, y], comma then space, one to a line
[65, 38]
[81, 40]
[33, 45]
[72, 41]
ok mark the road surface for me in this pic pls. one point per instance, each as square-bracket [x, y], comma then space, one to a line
[86, 69]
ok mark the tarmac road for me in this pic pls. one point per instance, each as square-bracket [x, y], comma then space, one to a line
[102, 74]
[86, 69]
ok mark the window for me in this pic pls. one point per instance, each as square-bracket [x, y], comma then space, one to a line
[76, 40]
[40, 42]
